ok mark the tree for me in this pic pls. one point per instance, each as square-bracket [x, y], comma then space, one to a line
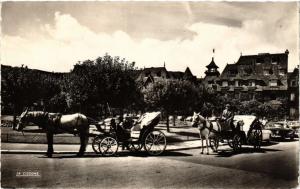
[106, 80]
[172, 96]
[20, 87]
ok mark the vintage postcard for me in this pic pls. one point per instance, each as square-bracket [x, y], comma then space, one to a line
[149, 94]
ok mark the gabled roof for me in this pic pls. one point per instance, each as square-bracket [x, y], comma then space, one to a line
[154, 69]
[248, 59]
[212, 64]
[175, 75]
[264, 79]
[294, 74]
[188, 72]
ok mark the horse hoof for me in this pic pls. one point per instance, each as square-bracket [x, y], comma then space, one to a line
[201, 153]
[207, 153]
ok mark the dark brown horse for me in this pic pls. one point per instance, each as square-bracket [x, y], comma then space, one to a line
[54, 123]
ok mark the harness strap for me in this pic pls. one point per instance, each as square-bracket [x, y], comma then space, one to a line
[210, 128]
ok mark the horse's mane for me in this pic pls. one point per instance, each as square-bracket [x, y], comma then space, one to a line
[37, 113]
[201, 118]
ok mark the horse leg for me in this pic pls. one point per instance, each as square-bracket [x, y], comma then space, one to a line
[50, 144]
[207, 149]
[82, 144]
[201, 144]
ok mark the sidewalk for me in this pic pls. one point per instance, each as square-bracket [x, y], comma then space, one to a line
[178, 133]
[22, 148]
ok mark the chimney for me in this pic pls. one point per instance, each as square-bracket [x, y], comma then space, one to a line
[287, 51]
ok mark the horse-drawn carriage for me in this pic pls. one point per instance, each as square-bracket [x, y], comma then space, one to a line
[141, 134]
[248, 131]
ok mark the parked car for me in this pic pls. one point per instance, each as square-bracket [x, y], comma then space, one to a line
[294, 125]
[266, 135]
[280, 129]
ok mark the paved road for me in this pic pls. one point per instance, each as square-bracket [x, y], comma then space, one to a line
[276, 165]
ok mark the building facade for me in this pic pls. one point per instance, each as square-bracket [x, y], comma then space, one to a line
[263, 77]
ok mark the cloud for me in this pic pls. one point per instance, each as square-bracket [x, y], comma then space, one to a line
[65, 43]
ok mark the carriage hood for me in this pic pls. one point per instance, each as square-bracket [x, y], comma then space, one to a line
[247, 119]
[149, 118]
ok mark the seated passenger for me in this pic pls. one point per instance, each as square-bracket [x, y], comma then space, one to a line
[227, 118]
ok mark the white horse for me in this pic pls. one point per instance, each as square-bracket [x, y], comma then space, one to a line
[207, 130]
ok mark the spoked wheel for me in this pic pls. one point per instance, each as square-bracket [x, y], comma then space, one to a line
[237, 142]
[155, 143]
[214, 143]
[134, 147]
[108, 146]
[230, 143]
[256, 138]
[96, 144]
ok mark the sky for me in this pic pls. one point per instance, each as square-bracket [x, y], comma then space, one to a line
[53, 36]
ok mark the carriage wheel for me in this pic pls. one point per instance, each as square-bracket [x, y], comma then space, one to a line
[256, 138]
[237, 142]
[108, 146]
[96, 144]
[134, 147]
[214, 143]
[155, 142]
[230, 143]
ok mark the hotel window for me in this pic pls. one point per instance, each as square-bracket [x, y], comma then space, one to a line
[292, 96]
[252, 83]
[225, 83]
[268, 71]
[236, 83]
[281, 72]
[293, 83]
[248, 71]
[273, 83]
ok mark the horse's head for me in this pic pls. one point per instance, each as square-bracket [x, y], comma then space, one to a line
[196, 119]
[22, 120]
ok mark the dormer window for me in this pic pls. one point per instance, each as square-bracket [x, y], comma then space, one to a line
[275, 60]
[259, 60]
[225, 83]
[252, 83]
[248, 71]
[273, 83]
[236, 83]
[292, 97]
[232, 73]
